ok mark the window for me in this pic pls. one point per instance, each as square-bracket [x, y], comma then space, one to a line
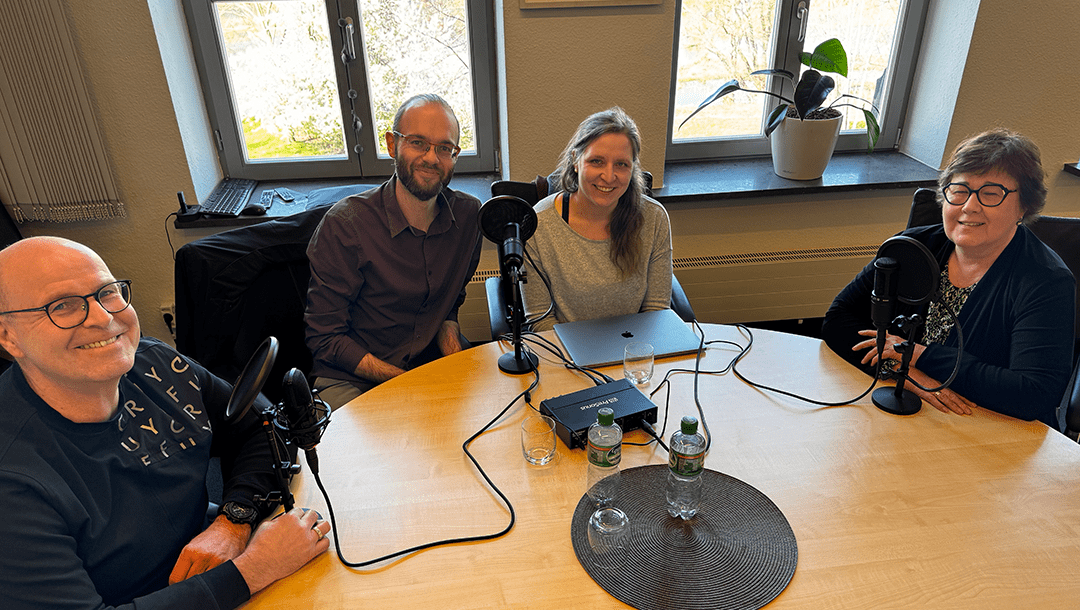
[720, 40]
[307, 88]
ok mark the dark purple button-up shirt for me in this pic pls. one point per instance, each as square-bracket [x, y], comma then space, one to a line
[380, 286]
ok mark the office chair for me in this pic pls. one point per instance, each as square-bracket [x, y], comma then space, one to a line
[1062, 235]
[498, 296]
[235, 288]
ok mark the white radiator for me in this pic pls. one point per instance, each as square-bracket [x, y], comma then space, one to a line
[751, 287]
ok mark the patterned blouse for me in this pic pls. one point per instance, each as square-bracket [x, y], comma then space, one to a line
[938, 321]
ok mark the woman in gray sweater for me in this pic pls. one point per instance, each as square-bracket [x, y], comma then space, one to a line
[603, 246]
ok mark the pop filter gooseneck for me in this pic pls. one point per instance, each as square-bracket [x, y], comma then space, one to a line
[915, 275]
[509, 221]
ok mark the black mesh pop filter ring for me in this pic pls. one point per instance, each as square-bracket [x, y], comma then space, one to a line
[917, 272]
[251, 380]
[500, 213]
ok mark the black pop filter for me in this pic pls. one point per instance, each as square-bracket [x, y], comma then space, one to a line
[917, 271]
[499, 215]
[251, 380]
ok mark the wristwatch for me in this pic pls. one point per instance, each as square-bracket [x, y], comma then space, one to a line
[239, 513]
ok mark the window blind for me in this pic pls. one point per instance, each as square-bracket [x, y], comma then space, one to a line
[53, 162]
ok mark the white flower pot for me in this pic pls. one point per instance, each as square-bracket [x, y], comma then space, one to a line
[801, 149]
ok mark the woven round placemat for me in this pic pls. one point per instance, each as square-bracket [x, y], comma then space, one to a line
[738, 552]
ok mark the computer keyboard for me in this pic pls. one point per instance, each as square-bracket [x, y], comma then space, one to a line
[229, 197]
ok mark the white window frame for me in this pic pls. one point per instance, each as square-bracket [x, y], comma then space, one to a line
[787, 48]
[363, 158]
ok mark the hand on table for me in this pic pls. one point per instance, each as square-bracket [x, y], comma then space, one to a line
[281, 546]
[946, 401]
[891, 341]
[222, 541]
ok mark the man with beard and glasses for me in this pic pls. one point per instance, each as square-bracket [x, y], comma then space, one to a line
[389, 266]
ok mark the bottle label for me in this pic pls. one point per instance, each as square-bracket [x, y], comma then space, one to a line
[686, 465]
[605, 456]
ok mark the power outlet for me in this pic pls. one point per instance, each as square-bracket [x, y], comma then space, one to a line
[168, 315]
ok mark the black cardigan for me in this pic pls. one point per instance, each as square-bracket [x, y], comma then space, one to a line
[1017, 323]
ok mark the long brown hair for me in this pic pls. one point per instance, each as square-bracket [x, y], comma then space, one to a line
[627, 218]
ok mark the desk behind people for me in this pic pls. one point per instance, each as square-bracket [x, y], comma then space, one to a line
[931, 510]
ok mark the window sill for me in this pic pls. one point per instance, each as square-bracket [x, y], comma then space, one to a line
[685, 182]
[714, 181]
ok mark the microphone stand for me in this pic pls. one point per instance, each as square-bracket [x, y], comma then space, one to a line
[282, 464]
[519, 362]
[899, 401]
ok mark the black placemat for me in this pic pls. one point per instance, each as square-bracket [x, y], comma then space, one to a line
[738, 552]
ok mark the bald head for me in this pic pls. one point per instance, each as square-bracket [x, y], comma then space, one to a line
[26, 257]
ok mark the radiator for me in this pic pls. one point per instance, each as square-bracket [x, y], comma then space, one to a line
[750, 287]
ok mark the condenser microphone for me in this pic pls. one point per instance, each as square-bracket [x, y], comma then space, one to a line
[306, 424]
[883, 298]
[508, 221]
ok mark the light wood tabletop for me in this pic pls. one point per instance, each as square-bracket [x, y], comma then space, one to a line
[931, 510]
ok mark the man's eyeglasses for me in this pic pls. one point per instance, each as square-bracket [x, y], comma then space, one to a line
[990, 194]
[421, 146]
[69, 312]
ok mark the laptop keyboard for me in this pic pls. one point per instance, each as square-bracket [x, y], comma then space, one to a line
[229, 197]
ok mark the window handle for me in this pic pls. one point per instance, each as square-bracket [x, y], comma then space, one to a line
[801, 14]
[348, 47]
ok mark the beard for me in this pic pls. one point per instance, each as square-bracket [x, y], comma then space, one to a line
[419, 189]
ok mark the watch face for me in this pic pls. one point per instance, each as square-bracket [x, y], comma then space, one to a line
[238, 513]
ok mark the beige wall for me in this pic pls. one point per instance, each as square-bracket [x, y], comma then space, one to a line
[561, 65]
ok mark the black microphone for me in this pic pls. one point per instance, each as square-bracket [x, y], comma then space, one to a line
[883, 298]
[508, 221]
[306, 423]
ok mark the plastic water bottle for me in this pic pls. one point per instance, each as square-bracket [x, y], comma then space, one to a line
[605, 453]
[686, 461]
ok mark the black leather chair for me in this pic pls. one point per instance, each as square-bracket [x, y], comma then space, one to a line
[1063, 236]
[235, 288]
[498, 295]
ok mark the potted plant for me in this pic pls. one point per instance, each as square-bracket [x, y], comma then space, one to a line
[803, 145]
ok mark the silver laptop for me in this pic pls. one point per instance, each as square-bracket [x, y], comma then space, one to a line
[600, 342]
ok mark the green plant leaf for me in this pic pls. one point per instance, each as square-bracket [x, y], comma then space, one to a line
[776, 72]
[873, 130]
[828, 56]
[776, 117]
[811, 92]
[729, 87]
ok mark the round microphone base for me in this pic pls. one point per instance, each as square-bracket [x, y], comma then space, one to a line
[905, 404]
[509, 363]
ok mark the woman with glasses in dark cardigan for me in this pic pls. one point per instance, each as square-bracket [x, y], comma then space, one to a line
[1013, 296]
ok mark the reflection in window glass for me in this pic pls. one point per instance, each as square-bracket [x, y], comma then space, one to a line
[281, 76]
[418, 46]
[867, 29]
[720, 40]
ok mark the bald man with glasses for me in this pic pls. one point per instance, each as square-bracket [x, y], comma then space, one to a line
[389, 266]
[105, 439]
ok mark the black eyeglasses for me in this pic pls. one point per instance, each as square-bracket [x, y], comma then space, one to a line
[69, 312]
[990, 194]
[421, 146]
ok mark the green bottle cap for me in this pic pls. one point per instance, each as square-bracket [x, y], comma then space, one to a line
[689, 425]
[606, 416]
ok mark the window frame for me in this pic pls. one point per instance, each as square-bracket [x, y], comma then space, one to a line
[904, 56]
[225, 125]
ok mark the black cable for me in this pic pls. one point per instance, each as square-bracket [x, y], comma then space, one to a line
[169, 237]
[421, 547]
[547, 284]
[959, 353]
[735, 370]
